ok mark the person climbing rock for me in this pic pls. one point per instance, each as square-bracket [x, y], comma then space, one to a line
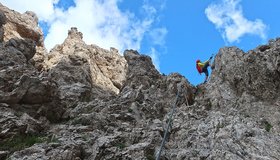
[202, 67]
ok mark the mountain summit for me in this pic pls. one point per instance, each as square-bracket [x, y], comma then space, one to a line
[80, 101]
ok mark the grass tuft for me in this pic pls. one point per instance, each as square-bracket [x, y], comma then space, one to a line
[20, 142]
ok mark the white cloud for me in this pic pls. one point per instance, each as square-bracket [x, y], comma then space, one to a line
[101, 22]
[158, 36]
[43, 8]
[229, 19]
[155, 57]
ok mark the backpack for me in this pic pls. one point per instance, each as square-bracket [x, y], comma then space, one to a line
[198, 69]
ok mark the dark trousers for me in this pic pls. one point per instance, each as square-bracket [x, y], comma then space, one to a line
[204, 69]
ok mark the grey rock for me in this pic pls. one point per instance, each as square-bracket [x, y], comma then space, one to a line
[21, 26]
[106, 69]
[26, 47]
[2, 22]
[14, 124]
[3, 154]
[92, 103]
[47, 152]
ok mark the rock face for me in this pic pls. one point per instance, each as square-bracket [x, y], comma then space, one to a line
[107, 69]
[23, 32]
[83, 102]
[250, 81]
[27, 98]
[21, 26]
[235, 115]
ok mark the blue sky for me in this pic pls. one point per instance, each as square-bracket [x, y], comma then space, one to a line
[173, 32]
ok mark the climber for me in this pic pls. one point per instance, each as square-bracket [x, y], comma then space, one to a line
[202, 67]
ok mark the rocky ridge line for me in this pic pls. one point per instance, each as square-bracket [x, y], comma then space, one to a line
[83, 102]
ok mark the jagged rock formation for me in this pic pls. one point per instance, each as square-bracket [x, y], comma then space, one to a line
[26, 97]
[83, 102]
[236, 114]
[107, 69]
[21, 26]
[22, 31]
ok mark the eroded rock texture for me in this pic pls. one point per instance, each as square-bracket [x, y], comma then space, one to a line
[80, 101]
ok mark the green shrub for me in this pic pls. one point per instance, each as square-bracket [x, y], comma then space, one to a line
[130, 110]
[150, 157]
[120, 145]
[268, 126]
[20, 142]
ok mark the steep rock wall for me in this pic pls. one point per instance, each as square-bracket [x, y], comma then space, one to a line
[84, 102]
[107, 68]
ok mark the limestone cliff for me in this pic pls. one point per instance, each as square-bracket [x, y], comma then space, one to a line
[107, 69]
[80, 101]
